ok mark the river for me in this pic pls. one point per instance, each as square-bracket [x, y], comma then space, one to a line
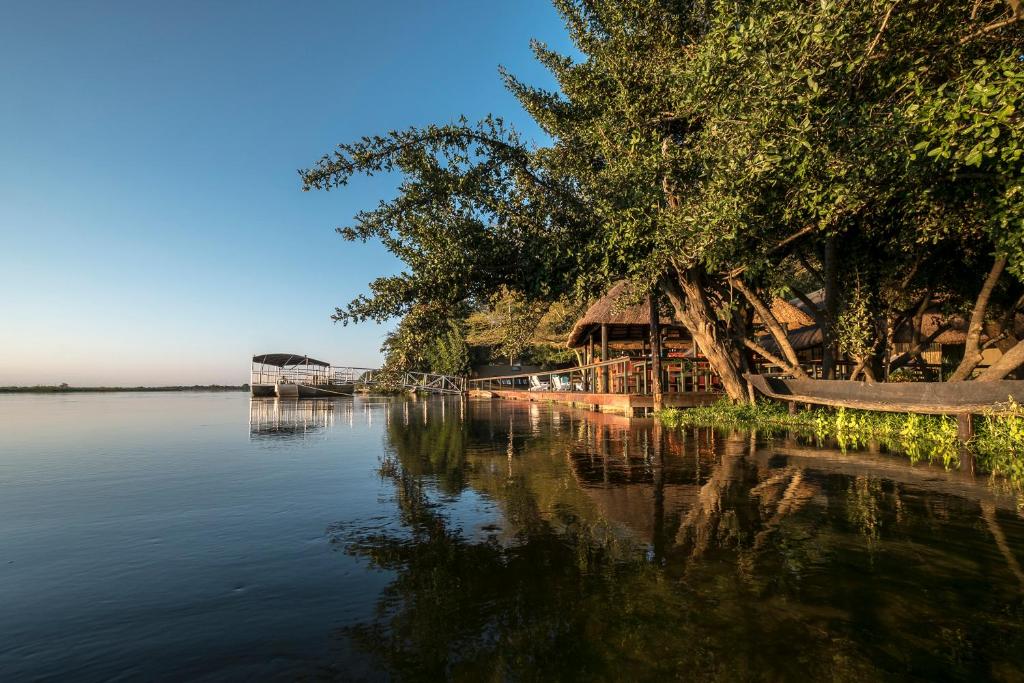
[212, 536]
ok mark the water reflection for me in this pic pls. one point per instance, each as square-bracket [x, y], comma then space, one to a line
[626, 550]
[274, 418]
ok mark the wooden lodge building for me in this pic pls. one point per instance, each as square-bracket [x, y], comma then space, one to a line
[613, 325]
[939, 357]
[613, 341]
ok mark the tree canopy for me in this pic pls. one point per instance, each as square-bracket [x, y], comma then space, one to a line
[724, 153]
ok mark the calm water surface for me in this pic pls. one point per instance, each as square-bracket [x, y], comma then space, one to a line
[208, 536]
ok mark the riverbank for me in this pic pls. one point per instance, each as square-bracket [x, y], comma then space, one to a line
[59, 389]
[998, 444]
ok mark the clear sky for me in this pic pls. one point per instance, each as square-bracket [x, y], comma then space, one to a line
[152, 227]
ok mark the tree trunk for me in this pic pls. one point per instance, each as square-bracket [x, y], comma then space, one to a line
[771, 322]
[831, 305]
[1007, 363]
[972, 345]
[652, 306]
[693, 312]
[686, 292]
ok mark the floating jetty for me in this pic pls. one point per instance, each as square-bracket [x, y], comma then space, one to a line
[290, 375]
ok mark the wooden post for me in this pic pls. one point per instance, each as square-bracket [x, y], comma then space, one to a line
[604, 357]
[659, 399]
[591, 373]
[964, 427]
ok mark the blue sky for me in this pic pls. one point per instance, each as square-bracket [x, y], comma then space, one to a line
[152, 227]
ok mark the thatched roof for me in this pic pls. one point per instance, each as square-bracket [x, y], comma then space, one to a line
[791, 313]
[614, 308]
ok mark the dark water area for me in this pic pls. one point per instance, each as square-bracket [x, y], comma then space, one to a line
[215, 537]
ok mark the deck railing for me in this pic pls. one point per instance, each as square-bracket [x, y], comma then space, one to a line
[623, 375]
[310, 375]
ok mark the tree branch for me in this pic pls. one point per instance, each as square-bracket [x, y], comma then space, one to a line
[815, 312]
[771, 357]
[881, 30]
[792, 238]
[972, 350]
[916, 350]
[802, 258]
[1015, 16]
[1007, 363]
[772, 323]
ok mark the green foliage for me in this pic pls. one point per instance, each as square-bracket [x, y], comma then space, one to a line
[853, 326]
[919, 437]
[699, 141]
[999, 441]
[423, 343]
[474, 213]
[533, 332]
[449, 353]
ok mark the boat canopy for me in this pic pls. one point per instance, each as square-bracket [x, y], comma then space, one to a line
[287, 360]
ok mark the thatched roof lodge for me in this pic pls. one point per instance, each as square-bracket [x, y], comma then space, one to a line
[627, 324]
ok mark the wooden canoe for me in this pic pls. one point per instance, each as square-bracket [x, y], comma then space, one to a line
[941, 398]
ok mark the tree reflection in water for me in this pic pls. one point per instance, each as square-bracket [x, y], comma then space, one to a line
[636, 552]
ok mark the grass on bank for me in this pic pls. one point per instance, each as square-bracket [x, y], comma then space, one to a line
[65, 389]
[998, 444]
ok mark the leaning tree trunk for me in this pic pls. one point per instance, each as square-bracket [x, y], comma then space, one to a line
[830, 309]
[686, 292]
[1007, 363]
[972, 345]
[693, 312]
[791, 362]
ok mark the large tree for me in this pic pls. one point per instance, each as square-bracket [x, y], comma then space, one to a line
[726, 152]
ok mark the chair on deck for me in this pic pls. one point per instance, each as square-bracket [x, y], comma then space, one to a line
[537, 385]
[560, 383]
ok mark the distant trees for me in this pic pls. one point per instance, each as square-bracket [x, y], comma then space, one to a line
[724, 153]
[513, 327]
[504, 328]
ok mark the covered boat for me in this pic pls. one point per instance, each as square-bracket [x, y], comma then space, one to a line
[291, 375]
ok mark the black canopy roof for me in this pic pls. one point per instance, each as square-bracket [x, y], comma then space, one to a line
[283, 360]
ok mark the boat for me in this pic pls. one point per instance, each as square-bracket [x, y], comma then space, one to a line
[290, 375]
[939, 398]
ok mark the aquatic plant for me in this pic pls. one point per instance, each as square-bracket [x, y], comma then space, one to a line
[999, 444]
[999, 441]
[387, 466]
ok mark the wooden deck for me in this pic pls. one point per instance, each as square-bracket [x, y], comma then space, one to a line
[630, 405]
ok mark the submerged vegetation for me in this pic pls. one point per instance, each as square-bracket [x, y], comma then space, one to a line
[998, 444]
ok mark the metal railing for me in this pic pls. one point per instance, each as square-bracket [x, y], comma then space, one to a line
[623, 375]
[309, 375]
[433, 383]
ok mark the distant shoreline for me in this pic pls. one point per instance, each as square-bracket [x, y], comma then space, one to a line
[53, 389]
